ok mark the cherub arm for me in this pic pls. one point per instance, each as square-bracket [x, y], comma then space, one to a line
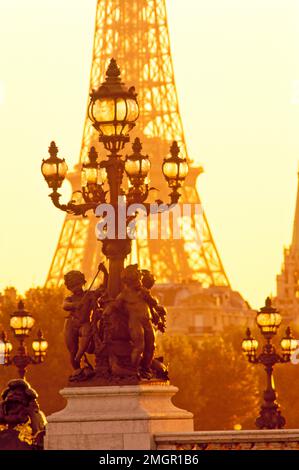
[71, 305]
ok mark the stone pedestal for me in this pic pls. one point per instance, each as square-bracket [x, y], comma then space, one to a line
[115, 418]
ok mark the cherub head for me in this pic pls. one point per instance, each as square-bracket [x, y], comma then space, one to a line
[148, 279]
[74, 281]
[131, 276]
[18, 396]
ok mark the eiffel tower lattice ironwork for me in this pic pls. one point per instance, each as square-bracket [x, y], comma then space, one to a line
[135, 33]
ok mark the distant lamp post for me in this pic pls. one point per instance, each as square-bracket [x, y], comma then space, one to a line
[269, 319]
[21, 323]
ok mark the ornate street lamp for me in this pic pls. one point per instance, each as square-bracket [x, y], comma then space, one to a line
[21, 323]
[269, 319]
[113, 110]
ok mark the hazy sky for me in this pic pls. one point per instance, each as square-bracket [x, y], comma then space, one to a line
[237, 73]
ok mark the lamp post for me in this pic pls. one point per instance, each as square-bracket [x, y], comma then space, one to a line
[268, 320]
[113, 110]
[21, 323]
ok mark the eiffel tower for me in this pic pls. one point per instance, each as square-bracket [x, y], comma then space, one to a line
[135, 33]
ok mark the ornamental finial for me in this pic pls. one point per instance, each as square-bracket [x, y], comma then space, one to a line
[174, 149]
[93, 155]
[268, 302]
[53, 150]
[137, 147]
[113, 71]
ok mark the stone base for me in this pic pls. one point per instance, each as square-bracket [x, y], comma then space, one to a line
[115, 418]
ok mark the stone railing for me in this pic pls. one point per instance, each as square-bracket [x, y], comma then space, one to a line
[287, 439]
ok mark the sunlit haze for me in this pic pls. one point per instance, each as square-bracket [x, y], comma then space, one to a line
[1, 92]
[237, 74]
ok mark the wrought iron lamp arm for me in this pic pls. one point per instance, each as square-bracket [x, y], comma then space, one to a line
[22, 360]
[81, 209]
[268, 356]
[70, 207]
[253, 359]
[283, 358]
[268, 359]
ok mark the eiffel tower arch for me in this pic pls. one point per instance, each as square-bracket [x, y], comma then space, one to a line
[135, 33]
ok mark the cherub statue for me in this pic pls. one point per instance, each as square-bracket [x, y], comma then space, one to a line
[20, 413]
[158, 312]
[80, 306]
[143, 314]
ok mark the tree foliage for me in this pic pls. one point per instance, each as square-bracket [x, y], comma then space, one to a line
[215, 382]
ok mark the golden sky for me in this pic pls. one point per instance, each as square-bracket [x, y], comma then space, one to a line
[237, 73]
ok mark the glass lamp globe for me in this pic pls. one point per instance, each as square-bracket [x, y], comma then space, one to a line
[54, 169]
[113, 108]
[93, 176]
[249, 344]
[21, 321]
[268, 319]
[288, 344]
[137, 166]
[40, 346]
[175, 168]
[92, 173]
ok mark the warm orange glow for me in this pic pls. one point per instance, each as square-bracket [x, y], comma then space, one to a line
[2, 93]
[249, 346]
[237, 427]
[104, 110]
[40, 347]
[239, 104]
[268, 322]
[21, 325]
